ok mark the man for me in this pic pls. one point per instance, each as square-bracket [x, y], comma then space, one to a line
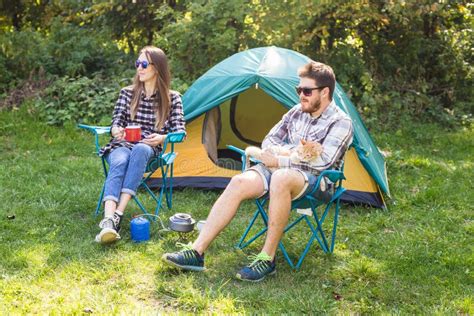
[316, 118]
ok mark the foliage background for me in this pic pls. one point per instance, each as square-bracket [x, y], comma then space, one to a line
[398, 60]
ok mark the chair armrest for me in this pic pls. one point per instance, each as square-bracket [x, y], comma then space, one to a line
[173, 138]
[237, 150]
[176, 137]
[96, 130]
[333, 175]
[243, 156]
[166, 158]
[161, 160]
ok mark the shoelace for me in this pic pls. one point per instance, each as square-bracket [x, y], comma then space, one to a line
[185, 247]
[260, 258]
[105, 220]
[116, 218]
[188, 251]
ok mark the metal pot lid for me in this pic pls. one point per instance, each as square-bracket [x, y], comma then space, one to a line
[182, 222]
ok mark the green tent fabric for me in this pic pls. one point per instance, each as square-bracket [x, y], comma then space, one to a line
[273, 70]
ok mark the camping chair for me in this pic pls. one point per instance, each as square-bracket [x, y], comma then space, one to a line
[164, 161]
[307, 210]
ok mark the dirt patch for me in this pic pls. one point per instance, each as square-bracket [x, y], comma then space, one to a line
[29, 88]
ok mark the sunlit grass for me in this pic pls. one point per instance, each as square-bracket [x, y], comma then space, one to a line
[415, 257]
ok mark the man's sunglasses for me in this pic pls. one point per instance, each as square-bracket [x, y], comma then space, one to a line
[144, 63]
[307, 92]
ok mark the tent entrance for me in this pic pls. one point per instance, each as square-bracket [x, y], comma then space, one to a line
[242, 121]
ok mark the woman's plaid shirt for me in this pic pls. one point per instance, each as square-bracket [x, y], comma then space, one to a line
[332, 129]
[145, 117]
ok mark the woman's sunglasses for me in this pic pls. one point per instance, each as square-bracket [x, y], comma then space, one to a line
[307, 92]
[144, 63]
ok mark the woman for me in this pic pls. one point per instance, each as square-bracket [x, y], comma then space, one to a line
[150, 103]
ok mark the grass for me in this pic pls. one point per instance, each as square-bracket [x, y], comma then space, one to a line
[415, 257]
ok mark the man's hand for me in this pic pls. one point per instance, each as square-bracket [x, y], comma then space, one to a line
[118, 132]
[269, 159]
[154, 139]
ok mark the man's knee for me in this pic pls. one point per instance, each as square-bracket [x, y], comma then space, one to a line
[245, 185]
[237, 182]
[285, 180]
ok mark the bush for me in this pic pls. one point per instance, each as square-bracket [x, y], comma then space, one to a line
[85, 100]
[79, 62]
[6, 76]
[398, 60]
[77, 51]
[66, 50]
[205, 35]
[179, 85]
[82, 99]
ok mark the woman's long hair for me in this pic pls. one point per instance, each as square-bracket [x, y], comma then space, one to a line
[162, 103]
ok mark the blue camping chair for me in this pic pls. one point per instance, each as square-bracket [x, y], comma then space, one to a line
[164, 161]
[310, 211]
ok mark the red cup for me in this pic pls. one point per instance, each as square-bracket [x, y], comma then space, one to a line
[133, 133]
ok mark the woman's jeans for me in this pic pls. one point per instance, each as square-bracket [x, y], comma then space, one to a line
[126, 168]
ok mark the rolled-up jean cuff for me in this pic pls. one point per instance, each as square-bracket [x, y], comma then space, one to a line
[110, 198]
[131, 192]
[305, 186]
[265, 174]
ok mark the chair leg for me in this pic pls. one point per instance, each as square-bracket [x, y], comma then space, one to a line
[140, 205]
[290, 226]
[285, 254]
[99, 202]
[147, 188]
[101, 196]
[164, 184]
[247, 230]
[319, 223]
[169, 191]
[305, 252]
[280, 243]
[334, 228]
[152, 194]
[260, 211]
[315, 232]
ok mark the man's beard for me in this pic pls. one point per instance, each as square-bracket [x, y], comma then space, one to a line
[313, 107]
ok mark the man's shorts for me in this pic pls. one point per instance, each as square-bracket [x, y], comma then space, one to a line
[323, 193]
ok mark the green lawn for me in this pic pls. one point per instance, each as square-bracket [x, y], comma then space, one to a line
[415, 257]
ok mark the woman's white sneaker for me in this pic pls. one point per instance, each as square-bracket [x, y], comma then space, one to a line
[110, 230]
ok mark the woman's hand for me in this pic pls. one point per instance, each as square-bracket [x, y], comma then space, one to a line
[118, 132]
[154, 139]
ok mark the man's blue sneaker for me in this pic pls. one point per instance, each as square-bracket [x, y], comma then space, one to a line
[186, 259]
[261, 266]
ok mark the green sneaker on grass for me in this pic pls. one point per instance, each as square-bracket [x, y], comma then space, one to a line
[261, 266]
[185, 259]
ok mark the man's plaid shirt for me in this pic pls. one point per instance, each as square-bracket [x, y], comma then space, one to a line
[332, 129]
[145, 117]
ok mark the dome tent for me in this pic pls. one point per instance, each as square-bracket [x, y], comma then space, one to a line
[237, 102]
